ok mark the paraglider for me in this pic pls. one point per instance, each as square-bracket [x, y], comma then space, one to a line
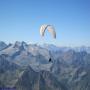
[50, 60]
[50, 29]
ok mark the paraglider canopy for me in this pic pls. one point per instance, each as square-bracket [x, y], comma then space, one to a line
[50, 29]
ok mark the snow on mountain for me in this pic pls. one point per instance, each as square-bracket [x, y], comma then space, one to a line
[82, 48]
[2, 45]
[28, 54]
[55, 48]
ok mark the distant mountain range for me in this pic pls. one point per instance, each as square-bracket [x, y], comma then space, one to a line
[44, 67]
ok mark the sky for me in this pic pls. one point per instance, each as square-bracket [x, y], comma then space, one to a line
[20, 20]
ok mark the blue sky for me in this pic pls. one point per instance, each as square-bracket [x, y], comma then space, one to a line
[20, 20]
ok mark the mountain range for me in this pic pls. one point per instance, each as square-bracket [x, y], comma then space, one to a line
[44, 67]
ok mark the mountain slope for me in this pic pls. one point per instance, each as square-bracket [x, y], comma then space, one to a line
[42, 80]
[8, 72]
